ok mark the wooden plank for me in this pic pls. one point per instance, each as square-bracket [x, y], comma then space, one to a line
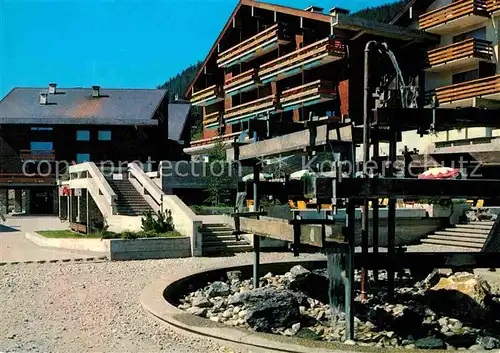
[248, 43]
[280, 229]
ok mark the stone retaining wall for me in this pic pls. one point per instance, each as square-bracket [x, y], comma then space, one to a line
[120, 249]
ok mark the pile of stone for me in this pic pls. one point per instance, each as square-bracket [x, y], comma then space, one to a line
[454, 311]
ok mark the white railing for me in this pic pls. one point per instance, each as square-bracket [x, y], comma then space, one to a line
[147, 186]
[88, 176]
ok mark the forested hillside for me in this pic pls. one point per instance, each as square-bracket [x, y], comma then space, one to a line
[383, 13]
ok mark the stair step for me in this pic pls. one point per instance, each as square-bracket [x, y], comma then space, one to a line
[474, 226]
[447, 237]
[452, 243]
[467, 230]
[217, 232]
[461, 234]
[226, 249]
[218, 243]
[489, 223]
[216, 236]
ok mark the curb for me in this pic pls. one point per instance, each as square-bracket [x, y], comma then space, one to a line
[71, 260]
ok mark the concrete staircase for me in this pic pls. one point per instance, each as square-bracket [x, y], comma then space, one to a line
[471, 235]
[219, 239]
[129, 201]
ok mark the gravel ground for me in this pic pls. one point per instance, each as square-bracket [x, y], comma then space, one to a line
[94, 307]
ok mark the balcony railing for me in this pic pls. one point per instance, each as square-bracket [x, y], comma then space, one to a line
[211, 120]
[255, 46]
[243, 82]
[251, 109]
[454, 11]
[211, 140]
[306, 58]
[207, 96]
[487, 88]
[469, 48]
[38, 155]
[493, 5]
[308, 94]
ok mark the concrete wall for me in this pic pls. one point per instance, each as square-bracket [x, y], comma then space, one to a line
[120, 224]
[91, 244]
[149, 248]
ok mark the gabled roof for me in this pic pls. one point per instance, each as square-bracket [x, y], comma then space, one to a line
[261, 5]
[76, 105]
[178, 115]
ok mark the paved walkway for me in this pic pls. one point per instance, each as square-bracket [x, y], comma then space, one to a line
[14, 247]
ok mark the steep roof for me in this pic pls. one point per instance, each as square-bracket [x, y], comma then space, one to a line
[178, 115]
[261, 5]
[76, 105]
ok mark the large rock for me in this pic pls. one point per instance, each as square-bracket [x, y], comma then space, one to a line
[218, 289]
[315, 284]
[430, 343]
[268, 309]
[488, 342]
[462, 295]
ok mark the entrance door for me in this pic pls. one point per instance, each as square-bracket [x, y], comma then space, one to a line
[42, 201]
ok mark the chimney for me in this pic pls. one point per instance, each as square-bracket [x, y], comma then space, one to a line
[96, 91]
[43, 98]
[52, 88]
[314, 9]
[334, 11]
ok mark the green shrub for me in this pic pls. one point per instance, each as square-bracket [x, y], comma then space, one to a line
[160, 222]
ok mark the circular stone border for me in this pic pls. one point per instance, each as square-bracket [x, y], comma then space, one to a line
[155, 299]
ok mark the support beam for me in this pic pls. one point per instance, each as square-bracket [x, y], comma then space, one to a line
[391, 225]
[256, 237]
[375, 212]
[349, 270]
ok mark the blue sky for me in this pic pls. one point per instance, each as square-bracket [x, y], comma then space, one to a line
[113, 43]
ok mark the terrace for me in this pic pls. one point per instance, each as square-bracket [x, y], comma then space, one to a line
[250, 110]
[37, 155]
[244, 82]
[258, 45]
[212, 120]
[453, 17]
[314, 55]
[311, 93]
[493, 6]
[460, 55]
[471, 93]
[207, 96]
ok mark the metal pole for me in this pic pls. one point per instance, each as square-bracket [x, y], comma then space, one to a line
[391, 225]
[366, 158]
[349, 271]
[256, 238]
[375, 212]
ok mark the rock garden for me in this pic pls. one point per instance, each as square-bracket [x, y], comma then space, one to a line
[443, 311]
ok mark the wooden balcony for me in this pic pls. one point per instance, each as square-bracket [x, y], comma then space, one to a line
[212, 140]
[452, 18]
[38, 155]
[459, 56]
[311, 93]
[258, 45]
[493, 6]
[306, 58]
[211, 121]
[250, 110]
[12, 179]
[244, 82]
[207, 96]
[482, 92]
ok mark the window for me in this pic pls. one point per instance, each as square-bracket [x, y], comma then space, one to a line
[36, 128]
[104, 135]
[41, 147]
[479, 33]
[82, 157]
[83, 135]
[465, 76]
